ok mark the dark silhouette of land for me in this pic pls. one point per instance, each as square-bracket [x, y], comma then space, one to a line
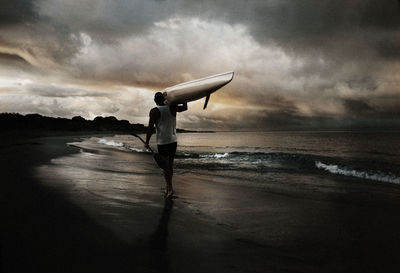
[10, 122]
[36, 122]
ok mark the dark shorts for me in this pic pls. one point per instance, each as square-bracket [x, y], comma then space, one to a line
[167, 149]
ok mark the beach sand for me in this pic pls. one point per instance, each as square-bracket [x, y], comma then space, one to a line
[217, 223]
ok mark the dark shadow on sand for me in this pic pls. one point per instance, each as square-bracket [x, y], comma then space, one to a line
[159, 240]
[41, 230]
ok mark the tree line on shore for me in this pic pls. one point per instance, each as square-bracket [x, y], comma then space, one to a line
[36, 122]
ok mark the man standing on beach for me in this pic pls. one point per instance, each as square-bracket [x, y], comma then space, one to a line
[164, 118]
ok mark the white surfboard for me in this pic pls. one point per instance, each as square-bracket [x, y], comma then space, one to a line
[197, 89]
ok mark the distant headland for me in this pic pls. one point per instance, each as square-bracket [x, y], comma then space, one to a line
[36, 122]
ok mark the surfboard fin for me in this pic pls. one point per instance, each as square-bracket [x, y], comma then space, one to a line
[206, 102]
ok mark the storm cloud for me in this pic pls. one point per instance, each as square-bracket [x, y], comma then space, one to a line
[298, 64]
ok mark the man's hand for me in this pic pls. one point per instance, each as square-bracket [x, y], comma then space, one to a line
[181, 107]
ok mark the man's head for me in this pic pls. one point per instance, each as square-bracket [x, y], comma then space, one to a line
[159, 98]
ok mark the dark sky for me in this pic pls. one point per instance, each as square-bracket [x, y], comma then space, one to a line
[309, 64]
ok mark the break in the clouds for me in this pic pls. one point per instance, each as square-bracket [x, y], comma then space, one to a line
[298, 64]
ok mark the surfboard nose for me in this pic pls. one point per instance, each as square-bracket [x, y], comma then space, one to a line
[229, 76]
[222, 80]
[197, 89]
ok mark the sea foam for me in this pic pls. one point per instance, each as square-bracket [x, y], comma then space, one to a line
[216, 155]
[110, 142]
[137, 150]
[381, 177]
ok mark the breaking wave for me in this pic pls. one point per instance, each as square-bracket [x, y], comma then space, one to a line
[215, 155]
[376, 176]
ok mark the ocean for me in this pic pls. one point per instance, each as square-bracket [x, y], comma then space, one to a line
[291, 163]
[364, 157]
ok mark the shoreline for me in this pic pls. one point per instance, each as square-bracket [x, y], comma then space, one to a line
[212, 227]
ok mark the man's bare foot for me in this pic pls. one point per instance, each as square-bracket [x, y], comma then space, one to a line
[170, 194]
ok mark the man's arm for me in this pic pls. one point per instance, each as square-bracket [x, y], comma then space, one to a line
[153, 116]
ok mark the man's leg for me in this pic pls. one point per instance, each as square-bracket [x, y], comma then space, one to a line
[168, 180]
[167, 175]
[168, 172]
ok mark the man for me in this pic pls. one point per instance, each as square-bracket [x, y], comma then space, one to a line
[164, 118]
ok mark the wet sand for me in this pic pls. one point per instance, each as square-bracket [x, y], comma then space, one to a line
[217, 224]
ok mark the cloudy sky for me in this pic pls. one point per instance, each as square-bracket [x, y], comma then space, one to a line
[299, 64]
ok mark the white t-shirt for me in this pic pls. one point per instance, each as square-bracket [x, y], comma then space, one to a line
[166, 126]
